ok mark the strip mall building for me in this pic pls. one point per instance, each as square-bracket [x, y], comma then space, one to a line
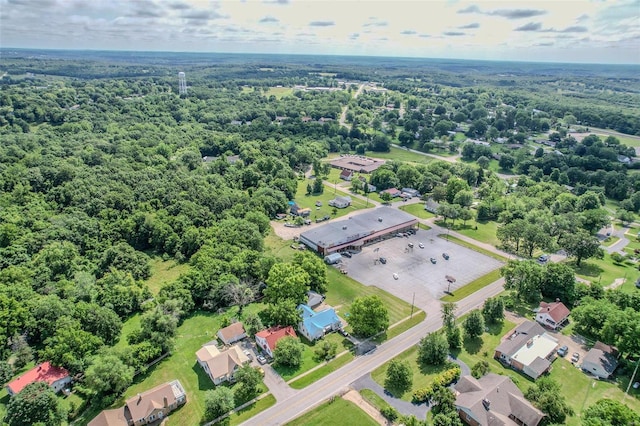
[358, 231]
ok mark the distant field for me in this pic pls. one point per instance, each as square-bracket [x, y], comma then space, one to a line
[278, 92]
[400, 154]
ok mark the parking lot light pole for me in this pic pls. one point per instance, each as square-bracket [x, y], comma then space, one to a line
[412, 303]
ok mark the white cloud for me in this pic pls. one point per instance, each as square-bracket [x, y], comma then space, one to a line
[484, 29]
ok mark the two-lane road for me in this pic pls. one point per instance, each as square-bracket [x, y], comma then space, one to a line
[333, 384]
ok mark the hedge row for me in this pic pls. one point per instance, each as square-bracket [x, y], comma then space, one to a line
[443, 379]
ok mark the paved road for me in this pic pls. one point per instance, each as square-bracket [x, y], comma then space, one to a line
[305, 399]
[343, 116]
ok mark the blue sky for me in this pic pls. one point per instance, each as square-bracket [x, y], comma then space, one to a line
[558, 31]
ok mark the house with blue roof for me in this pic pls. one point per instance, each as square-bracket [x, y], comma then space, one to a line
[315, 325]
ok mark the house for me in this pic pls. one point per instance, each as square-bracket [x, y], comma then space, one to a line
[267, 339]
[624, 159]
[346, 175]
[314, 299]
[529, 349]
[340, 202]
[55, 377]
[494, 400]
[232, 333]
[431, 206]
[394, 192]
[601, 360]
[552, 315]
[144, 408]
[221, 366]
[315, 325]
[411, 192]
[296, 210]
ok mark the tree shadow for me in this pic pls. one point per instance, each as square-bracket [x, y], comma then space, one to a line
[428, 369]
[472, 346]
[586, 268]
[204, 381]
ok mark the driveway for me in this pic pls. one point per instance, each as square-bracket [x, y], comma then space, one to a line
[277, 386]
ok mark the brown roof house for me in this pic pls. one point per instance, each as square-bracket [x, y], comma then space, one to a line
[267, 339]
[494, 400]
[145, 408]
[601, 360]
[221, 366]
[552, 315]
[232, 333]
[528, 348]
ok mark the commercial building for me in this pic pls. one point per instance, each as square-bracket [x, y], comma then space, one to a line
[357, 163]
[358, 231]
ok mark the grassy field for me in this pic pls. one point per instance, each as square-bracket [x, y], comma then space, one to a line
[421, 376]
[319, 373]
[164, 271]
[279, 92]
[334, 412]
[196, 330]
[485, 232]
[473, 286]
[473, 247]
[417, 210]
[343, 290]
[606, 271]
[309, 201]
[246, 413]
[400, 154]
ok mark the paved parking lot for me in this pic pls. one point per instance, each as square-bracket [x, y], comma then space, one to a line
[415, 272]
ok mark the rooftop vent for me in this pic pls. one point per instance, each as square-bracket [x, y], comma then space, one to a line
[344, 227]
[486, 403]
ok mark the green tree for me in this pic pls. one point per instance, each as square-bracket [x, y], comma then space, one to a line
[506, 162]
[108, 374]
[581, 245]
[325, 350]
[6, 371]
[283, 313]
[454, 337]
[315, 268]
[480, 369]
[448, 311]
[433, 349]
[287, 281]
[607, 412]
[399, 377]
[248, 379]
[474, 324]
[70, 346]
[252, 324]
[386, 197]
[546, 394]
[368, 316]
[288, 352]
[525, 277]
[218, 402]
[35, 404]
[493, 310]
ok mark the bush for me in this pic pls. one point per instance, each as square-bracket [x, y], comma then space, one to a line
[480, 369]
[389, 413]
[443, 379]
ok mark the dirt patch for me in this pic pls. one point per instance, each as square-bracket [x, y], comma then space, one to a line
[356, 398]
[616, 283]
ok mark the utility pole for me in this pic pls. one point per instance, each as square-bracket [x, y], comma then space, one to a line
[413, 302]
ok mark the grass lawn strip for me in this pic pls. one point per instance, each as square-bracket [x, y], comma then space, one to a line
[374, 399]
[336, 411]
[473, 286]
[417, 210]
[322, 371]
[237, 417]
[605, 271]
[473, 247]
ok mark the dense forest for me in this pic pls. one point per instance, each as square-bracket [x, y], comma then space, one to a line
[101, 167]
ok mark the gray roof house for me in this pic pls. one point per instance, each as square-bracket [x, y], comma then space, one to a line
[528, 348]
[601, 361]
[494, 400]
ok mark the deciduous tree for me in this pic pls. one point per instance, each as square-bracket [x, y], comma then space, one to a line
[218, 402]
[288, 352]
[474, 324]
[35, 404]
[368, 316]
[433, 349]
[399, 377]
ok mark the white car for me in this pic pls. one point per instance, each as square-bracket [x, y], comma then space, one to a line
[420, 245]
[395, 276]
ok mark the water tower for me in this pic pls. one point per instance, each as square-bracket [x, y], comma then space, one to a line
[182, 83]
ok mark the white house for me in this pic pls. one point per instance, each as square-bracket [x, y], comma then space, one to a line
[552, 315]
[56, 377]
[315, 325]
[340, 202]
[267, 339]
[600, 361]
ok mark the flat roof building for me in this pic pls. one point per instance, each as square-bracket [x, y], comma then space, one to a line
[359, 230]
[357, 163]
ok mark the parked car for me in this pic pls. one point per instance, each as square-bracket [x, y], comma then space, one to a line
[563, 350]
[261, 359]
[420, 245]
[248, 353]
[446, 256]
[383, 260]
[575, 357]
[410, 245]
[346, 254]
[395, 276]
[543, 258]
[433, 260]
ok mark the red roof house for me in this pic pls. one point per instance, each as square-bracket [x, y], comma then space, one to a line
[552, 315]
[268, 338]
[56, 377]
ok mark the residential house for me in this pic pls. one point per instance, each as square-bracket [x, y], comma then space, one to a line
[601, 360]
[346, 175]
[624, 159]
[395, 192]
[296, 210]
[267, 339]
[145, 408]
[431, 206]
[315, 325]
[410, 192]
[494, 400]
[314, 299]
[552, 315]
[340, 202]
[221, 366]
[232, 333]
[55, 377]
[529, 349]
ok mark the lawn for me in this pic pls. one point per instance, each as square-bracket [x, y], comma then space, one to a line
[417, 210]
[473, 247]
[164, 271]
[278, 247]
[309, 201]
[334, 412]
[246, 413]
[473, 286]
[197, 329]
[374, 399]
[485, 232]
[421, 376]
[343, 290]
[320, 372]
[609, 241]
[278, 92]
[606, 271]
[401, 154]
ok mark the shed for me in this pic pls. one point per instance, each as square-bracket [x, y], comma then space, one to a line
[333, 258]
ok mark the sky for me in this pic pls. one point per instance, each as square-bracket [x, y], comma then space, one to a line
[596, 31]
